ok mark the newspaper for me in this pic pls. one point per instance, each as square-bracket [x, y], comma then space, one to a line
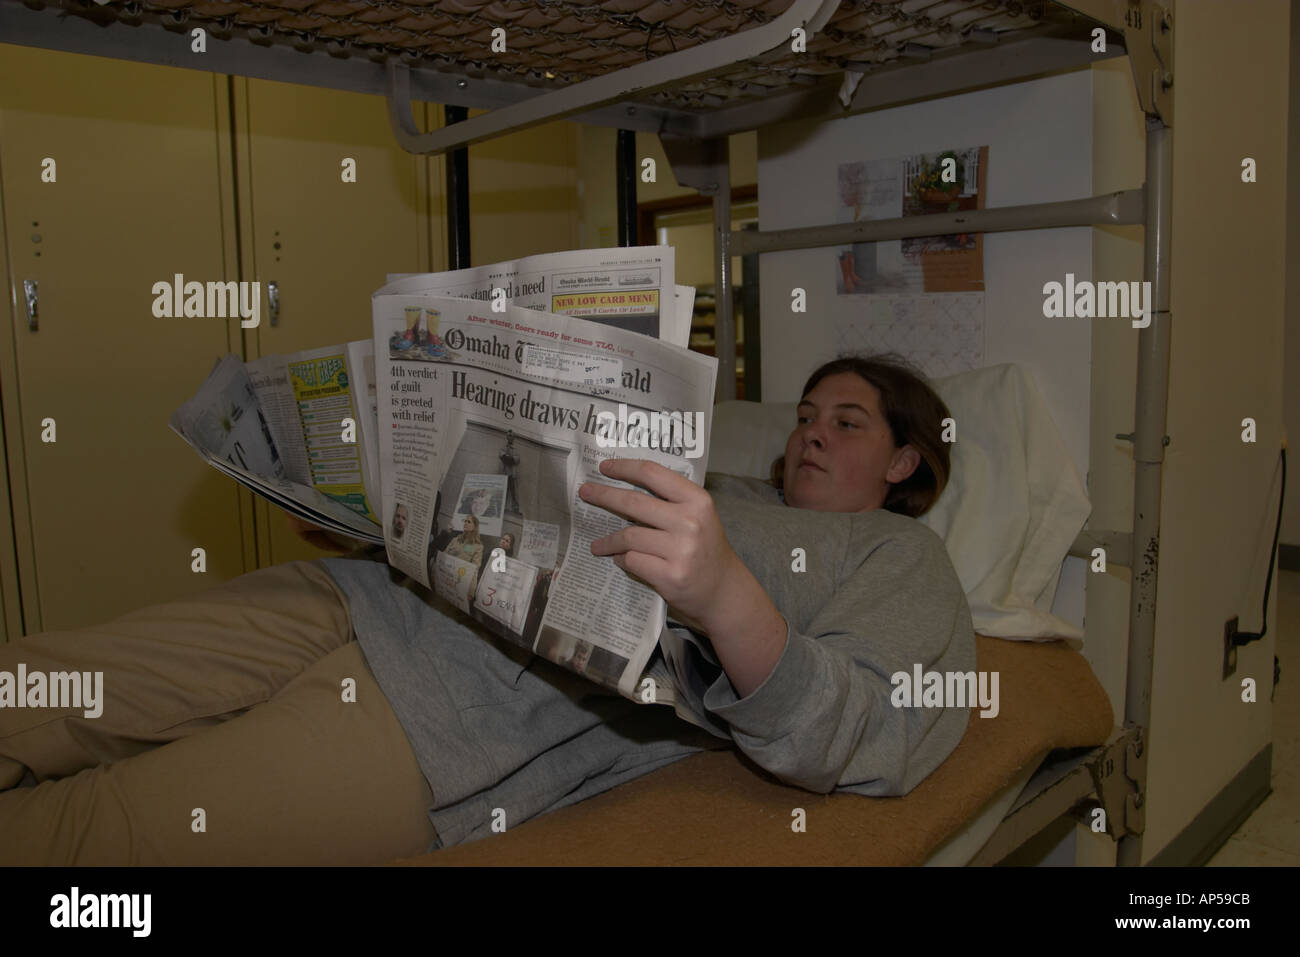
[629, 288]
[227, 423]
[320, 405]
[486, 411]
[485, 434]
[318, 447]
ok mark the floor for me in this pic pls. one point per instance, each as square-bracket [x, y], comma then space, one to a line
[1271, 836]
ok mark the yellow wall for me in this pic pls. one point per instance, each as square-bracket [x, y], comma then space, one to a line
[1220, 495]
[523, 193]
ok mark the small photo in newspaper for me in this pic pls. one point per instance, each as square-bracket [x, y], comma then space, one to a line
[484, 497]
[498, 537]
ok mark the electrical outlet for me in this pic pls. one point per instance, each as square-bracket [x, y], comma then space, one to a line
[1229, 647]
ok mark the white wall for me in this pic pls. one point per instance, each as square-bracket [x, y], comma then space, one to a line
[1039, 138]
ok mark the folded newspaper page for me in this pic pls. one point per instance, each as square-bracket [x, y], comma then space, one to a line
[627, 287]
[320, 405]
[295, 429]
[489, 421]
[226, 423]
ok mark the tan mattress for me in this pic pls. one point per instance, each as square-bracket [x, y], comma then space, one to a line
[718, 807]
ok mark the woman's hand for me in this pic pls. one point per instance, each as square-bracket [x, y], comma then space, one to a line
[678, 547]
[676, 544]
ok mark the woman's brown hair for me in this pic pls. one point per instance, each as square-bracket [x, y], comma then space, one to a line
[915, 414]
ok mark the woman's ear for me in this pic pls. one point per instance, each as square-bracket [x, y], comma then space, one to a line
[903, 465]
[777, 478]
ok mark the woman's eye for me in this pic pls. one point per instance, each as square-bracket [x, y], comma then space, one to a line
[852, 425]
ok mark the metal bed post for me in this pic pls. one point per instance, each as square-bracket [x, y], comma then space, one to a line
[724, 317]
[705, 166]
[1149, 441]
[457, 196]
[625, 173]
[749, 306]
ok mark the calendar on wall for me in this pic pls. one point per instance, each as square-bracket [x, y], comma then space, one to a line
[916, 184]
[942, 334]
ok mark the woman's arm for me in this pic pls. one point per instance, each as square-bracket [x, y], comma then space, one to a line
[747, 631]
[820, 714]
[826, 717]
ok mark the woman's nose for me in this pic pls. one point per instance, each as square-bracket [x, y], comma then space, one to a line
[814, 434]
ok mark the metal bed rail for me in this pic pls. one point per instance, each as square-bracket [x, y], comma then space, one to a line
[1107, 777]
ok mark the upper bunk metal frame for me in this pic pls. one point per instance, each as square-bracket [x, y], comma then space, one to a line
[695, 140]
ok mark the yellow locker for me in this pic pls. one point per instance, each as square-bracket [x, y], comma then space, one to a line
[11, 620]
[114, 179]
[332, 204]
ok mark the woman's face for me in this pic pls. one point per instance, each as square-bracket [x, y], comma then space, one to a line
[841, 455]
[506, 543]
[469, 526]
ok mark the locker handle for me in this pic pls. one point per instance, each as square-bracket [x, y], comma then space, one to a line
[273, 295]
[29, 294]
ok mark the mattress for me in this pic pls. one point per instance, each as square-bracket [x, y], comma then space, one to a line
[719, 808]
[959, 849]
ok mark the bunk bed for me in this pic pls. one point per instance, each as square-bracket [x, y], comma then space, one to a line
[693, 73]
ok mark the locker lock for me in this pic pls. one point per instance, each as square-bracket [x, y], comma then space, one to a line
[29, 296]
[273, 296]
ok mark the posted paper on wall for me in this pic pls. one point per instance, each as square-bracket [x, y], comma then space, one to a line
[913, 185]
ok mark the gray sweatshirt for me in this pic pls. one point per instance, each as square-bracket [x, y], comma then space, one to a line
[876, 594]
[502, 735]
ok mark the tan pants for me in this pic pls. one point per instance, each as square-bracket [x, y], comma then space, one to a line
[225, 738]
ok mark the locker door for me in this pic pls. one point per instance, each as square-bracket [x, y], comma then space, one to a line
[106, 515]
[325, 241]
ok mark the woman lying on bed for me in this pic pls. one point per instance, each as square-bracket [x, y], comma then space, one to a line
[791, 603]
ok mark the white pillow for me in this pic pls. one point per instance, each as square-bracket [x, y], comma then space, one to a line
[1013, 505]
